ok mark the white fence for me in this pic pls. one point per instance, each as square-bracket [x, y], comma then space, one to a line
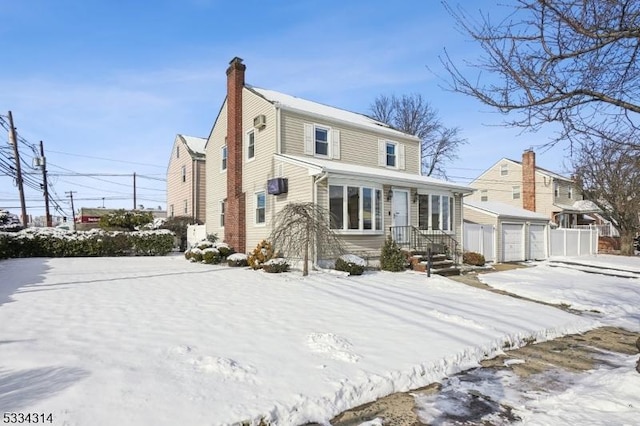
[480, 239]
[573, 242]
[195, 233]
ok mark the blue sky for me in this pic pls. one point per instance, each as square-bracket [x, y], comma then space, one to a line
[106, 85]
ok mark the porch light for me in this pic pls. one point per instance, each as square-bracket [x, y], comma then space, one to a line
[389, 195]
[415, 195]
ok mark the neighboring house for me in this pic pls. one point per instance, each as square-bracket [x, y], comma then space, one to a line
[186, 178]
[524, 185]
[268, 149]
[515, 234]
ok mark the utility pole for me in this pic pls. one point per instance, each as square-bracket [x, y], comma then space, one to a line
[13, 140]
[45, 185]
[73, 210]
[134, 190]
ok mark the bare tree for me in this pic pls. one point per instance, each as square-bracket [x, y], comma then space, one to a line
[572, 62]
[609, 175]
[412, 114]
[300, 228]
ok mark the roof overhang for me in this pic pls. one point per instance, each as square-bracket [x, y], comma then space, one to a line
[317, 167]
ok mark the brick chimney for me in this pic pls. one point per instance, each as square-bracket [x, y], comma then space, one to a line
[235, 215]
[529, 180]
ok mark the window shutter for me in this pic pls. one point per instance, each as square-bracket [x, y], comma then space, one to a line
[400, 156]
[382, 153]
[335, 141]
[308, 139]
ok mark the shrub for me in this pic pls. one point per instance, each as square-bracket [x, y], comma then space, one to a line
[261, 254]
[178, 225]
[125, 220]
[224, 249]
[237, 260]
[196, 255]
[276, 266]
[350, 263]
[473, 258]
[210, 255]
[391, 257]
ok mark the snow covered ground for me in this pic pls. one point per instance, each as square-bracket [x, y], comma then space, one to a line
[161, 341]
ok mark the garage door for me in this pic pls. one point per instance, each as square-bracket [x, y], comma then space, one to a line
[537, 242]
[512, 242]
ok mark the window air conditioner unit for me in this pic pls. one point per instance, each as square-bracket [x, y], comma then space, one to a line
[260, 121]
[277, 186]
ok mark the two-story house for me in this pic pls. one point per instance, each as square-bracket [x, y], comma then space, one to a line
[267, 149]
[527, 186]
[186, 178]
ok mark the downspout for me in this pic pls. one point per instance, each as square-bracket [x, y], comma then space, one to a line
[194, 180]
[314, 197]
[278, 135]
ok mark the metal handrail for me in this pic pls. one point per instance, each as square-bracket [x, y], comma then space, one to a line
[415, 239]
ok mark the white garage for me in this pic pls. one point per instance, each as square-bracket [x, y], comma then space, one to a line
[519, 234]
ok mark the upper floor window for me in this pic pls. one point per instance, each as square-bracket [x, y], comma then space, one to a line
[223, 154]
[184, 173]
[570, 192]
[171, 212]
[390, 150]
[177, 151]
[186, 207]
[251, 145]
[261, 207]
[484, 195]
[556, 189]
[321, 141]
[515, 192]
[504, 170]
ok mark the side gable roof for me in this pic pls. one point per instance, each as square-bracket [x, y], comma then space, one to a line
[546, 172]
[503, 210]
[195, 145]
[307, 107]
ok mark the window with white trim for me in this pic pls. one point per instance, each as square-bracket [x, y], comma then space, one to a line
[515, 192]
[261, 208]
[183, 173]
[390, 152]
[171, 210]
[177, 151]
[223, 154]
[435, 212]
[186, 207]
[321, 141]
[570, 192]
[223, 207]
[251, 145]
[484, 195]
[504, 170]
[355, 208]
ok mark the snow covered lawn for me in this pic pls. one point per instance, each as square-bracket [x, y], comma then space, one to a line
[161, 341]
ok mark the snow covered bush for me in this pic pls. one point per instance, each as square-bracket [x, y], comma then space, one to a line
[391, 257]
[195, 255]
[224, 249]
[210, 255]
[237, 260]
[350, 263]
[275, 266]
[261, 254]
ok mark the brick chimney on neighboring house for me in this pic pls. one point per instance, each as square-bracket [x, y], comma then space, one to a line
[235, 214]
[529, 180]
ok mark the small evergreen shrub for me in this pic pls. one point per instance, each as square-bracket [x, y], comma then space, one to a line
[237, 260]
[212, 238]
[224, 249]
[276, 266]
[196, 255]
[261, 254]
[350, 263]
[392, 257]
[210, 255]
[473, 258]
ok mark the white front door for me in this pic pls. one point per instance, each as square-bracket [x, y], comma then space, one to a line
[400, 214]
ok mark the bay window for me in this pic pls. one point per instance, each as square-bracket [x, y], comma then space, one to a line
[355, 208]
[435, 212]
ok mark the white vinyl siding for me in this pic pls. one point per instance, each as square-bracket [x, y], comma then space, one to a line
[515, 192]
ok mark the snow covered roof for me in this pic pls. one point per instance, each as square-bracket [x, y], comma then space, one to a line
[379, 175]
[504, 210]
[195, 144]
[580, 206]
[304, 106]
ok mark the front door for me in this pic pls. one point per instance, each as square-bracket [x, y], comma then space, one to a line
[400, 215]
